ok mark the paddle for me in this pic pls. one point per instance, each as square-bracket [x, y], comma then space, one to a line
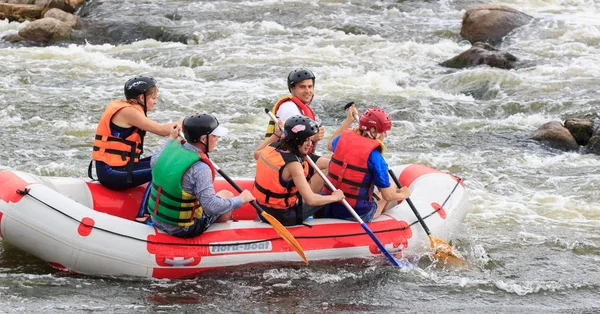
[382, 248]
[283, 232]
[443, 251]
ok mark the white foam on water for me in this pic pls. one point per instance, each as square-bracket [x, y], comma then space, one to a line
[313, 275]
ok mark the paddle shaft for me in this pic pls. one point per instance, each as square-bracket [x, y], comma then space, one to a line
[331, 187]
[410, 203]
[235, 186]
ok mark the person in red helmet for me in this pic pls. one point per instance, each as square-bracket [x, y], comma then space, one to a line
[357, 166]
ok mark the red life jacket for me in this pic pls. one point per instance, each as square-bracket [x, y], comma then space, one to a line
[304, 109]
[349, 169]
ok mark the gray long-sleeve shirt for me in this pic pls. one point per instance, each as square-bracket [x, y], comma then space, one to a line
[198, 181]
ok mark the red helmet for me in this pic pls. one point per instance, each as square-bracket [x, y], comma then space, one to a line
[375, 117]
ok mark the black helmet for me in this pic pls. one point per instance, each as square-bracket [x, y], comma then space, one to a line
[197, 125]
[299, 75]
[300, 128]
[138, 85]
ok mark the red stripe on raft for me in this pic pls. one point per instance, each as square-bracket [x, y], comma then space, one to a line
[58, 266]
[1, 214]
[9, 184]
[439, 209]
[86, 226]
[412, 172]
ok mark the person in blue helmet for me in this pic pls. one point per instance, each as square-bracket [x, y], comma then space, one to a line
[119, 140]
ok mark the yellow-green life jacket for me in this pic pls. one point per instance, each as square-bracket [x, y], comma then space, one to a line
[168, 201]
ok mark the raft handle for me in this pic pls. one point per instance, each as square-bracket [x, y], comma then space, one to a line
[179, 262]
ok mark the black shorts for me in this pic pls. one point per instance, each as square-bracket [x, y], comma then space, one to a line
[291, 216]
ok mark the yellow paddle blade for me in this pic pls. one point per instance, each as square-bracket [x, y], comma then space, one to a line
[285, 234]
[443, 252]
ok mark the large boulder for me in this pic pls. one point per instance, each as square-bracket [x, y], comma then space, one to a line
[490, 23]
[20, 12]
[593, 145]
[582, 129]
[72, 20]
[556, 135]
[75, 4]
[64, 5]
[481, 53]
[46, 30]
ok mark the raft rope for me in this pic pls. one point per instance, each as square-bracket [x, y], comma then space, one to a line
[458, 181]
[26, 191]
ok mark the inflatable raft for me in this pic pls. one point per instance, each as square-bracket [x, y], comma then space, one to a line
[82, 227]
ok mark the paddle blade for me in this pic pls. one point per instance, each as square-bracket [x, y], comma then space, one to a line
[443, 252]
[285, 234]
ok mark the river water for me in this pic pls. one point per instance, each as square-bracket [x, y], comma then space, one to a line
[531, 235]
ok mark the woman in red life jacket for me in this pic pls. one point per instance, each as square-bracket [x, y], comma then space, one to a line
[285, 186]
[357, 166]
[119, 140]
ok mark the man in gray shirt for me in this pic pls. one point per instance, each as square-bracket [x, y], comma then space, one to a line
[183, 201]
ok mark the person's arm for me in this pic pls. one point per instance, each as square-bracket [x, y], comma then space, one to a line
[287, 110]
[198, 180]
[383, 182]
[322, 162]
[345, 125]
[294, 169]
[128, 117]
[277, 135]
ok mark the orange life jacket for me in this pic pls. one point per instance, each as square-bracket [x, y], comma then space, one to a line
[349, 169]
[112, 150]
[269, 189]
[305, 109]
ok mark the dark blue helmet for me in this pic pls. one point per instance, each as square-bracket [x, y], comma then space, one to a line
[299, 75]
[300, 128]
[138, 85]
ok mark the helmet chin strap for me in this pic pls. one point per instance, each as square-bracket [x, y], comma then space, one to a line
[205, 145]
[143, 105]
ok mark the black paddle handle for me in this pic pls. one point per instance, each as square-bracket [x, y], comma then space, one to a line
[410, 203]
